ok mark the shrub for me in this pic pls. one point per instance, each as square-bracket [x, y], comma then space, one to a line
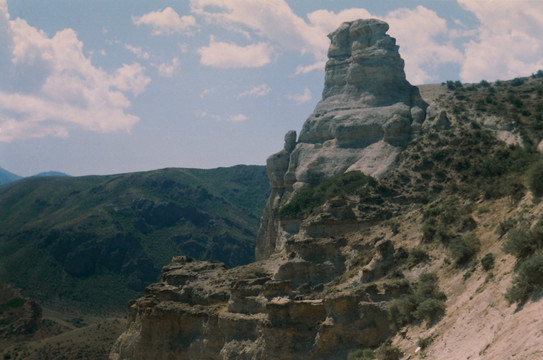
[505, 226]
[361, 354]
[387, 352]
[529, 276]
[521, 243]
[535, 178]
[487, 262]
[517, 81]
[427, 302]
[309, 198]
[464, 248]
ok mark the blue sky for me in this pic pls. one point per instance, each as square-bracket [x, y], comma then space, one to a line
[103, 87]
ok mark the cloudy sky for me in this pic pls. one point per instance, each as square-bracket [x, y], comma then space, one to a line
[103, 87]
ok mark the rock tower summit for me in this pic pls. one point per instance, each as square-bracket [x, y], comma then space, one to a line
[368, 113]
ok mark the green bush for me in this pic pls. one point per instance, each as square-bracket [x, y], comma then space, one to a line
[309, 198]
[361, 354]
[535, 178]
[464, 248]
[487, 262]
[426, 302]
[522, 244]
[529, 276]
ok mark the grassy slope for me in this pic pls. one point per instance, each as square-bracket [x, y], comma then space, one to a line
[95, 241]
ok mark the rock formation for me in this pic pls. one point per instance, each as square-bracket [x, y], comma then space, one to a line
[367, 114]
[297, 302]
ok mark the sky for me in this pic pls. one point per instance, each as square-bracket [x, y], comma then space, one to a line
[105, 87]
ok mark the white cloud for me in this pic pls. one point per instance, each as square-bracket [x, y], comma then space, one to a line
[272, 20]
[256, 91]
[304, 69]
[325, 21]
[58, 88]
[237, 118]
[138, 51]
[205, 114]
[419, 31]
[228, 55]
[301, 98]
[165, 22]
[424, 41]
[508, 42]
[168, 69]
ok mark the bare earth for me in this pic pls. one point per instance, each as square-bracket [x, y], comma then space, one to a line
[479, 323]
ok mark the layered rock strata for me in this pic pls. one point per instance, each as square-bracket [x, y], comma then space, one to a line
[318, 291]
[367, 114]
[297, 304]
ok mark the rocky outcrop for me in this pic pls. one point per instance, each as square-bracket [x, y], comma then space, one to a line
[310, 301]
[367, 114]
[320, 289]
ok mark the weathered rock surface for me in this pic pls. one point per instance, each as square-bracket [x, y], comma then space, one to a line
[293, 305]
[367, 114]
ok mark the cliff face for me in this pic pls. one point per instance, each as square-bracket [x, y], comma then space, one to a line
[407, 250]
[367, 114]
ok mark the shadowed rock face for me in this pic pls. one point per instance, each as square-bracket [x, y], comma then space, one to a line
[368, 113]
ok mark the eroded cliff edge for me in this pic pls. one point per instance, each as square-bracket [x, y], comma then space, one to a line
[327, 284]
[295, 302]
[367, 114]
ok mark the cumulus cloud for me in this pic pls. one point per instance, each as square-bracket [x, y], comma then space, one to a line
[256, 91]
[229, 55]
[272, 20]
[165, 22]
[168, 69]
[138, 51]
[303, 97]
[420, 31]
[425, 42]
[237, 118]
[53, 87]
[508, 43]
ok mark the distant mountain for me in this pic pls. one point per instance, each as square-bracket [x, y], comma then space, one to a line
[96, 241]
[7, 177]
[51, 173]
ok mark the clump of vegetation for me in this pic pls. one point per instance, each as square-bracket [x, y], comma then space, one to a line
[446, 219]
[527, 247]
[427, 302]
[384, 352]
[306, 200]
[463, 248]
[505, 226]
[529, 277]
[487, 262]
[523, 243]
[535, 177]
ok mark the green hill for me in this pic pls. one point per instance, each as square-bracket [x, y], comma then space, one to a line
[7, 177]
[94, 242]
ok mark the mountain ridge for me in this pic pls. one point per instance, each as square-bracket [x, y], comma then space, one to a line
[120, 229]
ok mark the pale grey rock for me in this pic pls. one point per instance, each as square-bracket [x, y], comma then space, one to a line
[368, 113]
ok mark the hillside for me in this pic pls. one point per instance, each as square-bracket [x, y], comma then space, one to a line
[93, 242]
[402, 224]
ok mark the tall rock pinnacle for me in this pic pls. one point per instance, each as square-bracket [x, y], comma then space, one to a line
[368, 113]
